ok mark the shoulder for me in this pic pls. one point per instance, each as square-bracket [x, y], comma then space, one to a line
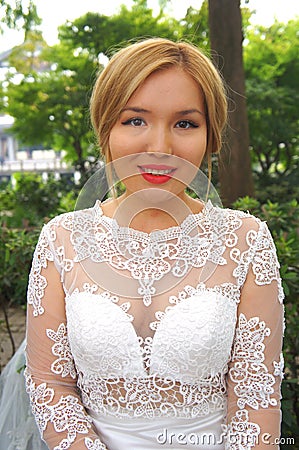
[242, 226]
[228, 217]
[67, 222]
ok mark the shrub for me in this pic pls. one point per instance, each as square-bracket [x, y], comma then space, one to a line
[16, 250]
[33, 199]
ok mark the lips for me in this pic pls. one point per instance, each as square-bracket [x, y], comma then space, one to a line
[156, 173]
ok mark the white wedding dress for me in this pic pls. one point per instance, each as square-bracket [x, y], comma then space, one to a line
[164, 340]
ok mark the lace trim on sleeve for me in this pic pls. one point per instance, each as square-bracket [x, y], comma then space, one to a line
[279, 367]
[241, 433]
[65, 264]
[254, 384]
[64, 364]
[94, 445]
[65, 415]
[262, 255]
[37, 282]
[265, 264]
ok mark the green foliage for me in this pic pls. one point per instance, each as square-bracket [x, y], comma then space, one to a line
[25, 208]
[16, 249]
[27, 58]
[52, 107]
[32, 200]
[101, 34]
[15, 15]
[195, 26]
[272, 71]
[283, 221]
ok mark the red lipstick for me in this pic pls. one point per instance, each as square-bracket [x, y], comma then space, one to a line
[156, 173]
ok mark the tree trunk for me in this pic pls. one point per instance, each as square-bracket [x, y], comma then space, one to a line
[80, 162]
[225, 23]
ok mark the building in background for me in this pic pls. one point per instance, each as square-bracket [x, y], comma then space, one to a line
[8, 144]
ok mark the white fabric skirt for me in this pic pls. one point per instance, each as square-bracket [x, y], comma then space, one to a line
[161, 433]
[18, 430]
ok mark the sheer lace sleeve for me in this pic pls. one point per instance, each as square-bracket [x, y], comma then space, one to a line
[256, 366]
[50, 372]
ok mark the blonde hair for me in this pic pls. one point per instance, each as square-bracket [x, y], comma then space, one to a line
[130, 67]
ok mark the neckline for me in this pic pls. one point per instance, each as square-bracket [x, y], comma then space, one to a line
[148, 256]
[183, 227]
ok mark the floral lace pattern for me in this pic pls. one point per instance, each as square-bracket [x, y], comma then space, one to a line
[227, 290]
[241, 433]
[279, 367]
[65, 264]
[152, 396]
[253, 382]
[37, 282]
[65, 415]
[198, 340]
[261, 255]
[149, 257]
[156, 375]
[94, 445]
[63, 365]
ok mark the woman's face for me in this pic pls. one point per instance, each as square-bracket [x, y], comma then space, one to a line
[161, 132]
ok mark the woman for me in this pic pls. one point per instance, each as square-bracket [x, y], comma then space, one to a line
[155, 319]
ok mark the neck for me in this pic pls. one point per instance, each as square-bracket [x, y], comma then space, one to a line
[151, 210]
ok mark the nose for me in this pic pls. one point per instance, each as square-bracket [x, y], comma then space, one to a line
[159, 140]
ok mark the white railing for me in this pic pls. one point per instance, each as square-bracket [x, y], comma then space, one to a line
[35, 165]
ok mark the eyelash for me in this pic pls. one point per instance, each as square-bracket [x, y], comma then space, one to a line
[130, 121]
[189, 123]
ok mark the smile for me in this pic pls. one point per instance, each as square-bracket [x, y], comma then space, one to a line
[156, 174]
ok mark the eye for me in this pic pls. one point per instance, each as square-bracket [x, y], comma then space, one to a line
[185, 124]
[135, 122]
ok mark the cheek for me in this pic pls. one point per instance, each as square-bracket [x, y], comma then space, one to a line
[121, 145]
[194, 150]
[114, 145]
[121, 155]
[202, 146]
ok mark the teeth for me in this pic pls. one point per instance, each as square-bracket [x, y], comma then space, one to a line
[156, 171]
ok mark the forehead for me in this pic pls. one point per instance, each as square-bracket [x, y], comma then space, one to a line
[168, 84]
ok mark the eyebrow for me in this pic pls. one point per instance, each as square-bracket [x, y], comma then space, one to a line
[184, 112]
[135, 109]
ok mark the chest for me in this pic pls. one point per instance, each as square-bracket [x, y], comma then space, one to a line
[190, 339]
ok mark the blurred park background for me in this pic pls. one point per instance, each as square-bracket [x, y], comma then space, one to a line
[48, 150]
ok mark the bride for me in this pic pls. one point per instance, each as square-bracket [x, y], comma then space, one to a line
[155, 317]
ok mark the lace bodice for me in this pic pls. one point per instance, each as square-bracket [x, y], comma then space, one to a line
[180, 322]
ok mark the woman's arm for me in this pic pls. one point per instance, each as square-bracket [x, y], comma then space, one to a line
[50, 373]
[255, 369]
